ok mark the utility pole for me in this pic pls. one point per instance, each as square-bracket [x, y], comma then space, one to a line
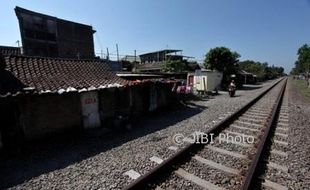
[101, 54]
[117, 52]
[157, 56]
[21, 48]
[135, 59]
[78, 55]
[108, 57]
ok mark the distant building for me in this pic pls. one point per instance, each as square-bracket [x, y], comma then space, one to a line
[131, 59]
[48, 36]
[153, 62]
[246, 77]
[160, 56]
[114, 65]
[150, 67]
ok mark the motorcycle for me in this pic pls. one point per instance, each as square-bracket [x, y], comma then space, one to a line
[231, 90]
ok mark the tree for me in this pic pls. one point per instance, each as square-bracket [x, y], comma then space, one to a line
[255, 68]
[302, 65]
[222, 59]
[294, 72]
[304, 57]
[261, 70]
[273, 72]
[174, 66]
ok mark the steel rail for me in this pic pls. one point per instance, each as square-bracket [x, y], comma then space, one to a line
[183, 154]
[249, 176]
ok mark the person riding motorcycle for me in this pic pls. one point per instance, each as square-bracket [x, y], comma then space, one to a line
[232, 83]
[232, 88]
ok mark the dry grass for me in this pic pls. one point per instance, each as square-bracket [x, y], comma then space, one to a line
[303, 88]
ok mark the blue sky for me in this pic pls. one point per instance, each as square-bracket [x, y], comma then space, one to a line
[260, 30]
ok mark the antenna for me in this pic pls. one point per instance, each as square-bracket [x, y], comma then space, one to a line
[78, 55]
[108, 54]
[117, 53]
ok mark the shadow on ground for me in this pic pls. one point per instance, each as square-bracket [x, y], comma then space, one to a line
[55, 153]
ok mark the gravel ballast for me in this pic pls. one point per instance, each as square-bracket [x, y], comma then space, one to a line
[231, 177]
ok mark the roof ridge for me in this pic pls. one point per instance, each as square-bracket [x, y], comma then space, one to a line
[53, 58]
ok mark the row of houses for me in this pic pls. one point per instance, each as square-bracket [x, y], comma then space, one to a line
[40, 96]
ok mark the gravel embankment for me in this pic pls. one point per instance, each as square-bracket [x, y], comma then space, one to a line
[100, 161]
[297, 110]
[299, 140]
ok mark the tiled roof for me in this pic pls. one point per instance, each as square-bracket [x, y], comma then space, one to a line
[8, 50]
[53, 75]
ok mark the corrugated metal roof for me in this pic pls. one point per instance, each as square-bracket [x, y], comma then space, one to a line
[166, 51]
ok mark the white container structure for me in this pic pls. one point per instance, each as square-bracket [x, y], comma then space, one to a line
[205, 80]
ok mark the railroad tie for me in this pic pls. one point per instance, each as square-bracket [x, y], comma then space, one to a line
[281, 142]
[132, 174]
[245, 128]
[281, 134]
[156, 159]
[174, 148]
[227, 152]
[216, 165]
[278, 152]
[248, 123]
[238, 134]
[198, 181]
[273, 185]
[277, 166]
[282, 128]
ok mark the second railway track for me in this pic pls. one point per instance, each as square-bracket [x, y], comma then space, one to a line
[222, 164]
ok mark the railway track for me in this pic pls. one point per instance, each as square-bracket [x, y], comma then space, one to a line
[273, 173]
[226, 156]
